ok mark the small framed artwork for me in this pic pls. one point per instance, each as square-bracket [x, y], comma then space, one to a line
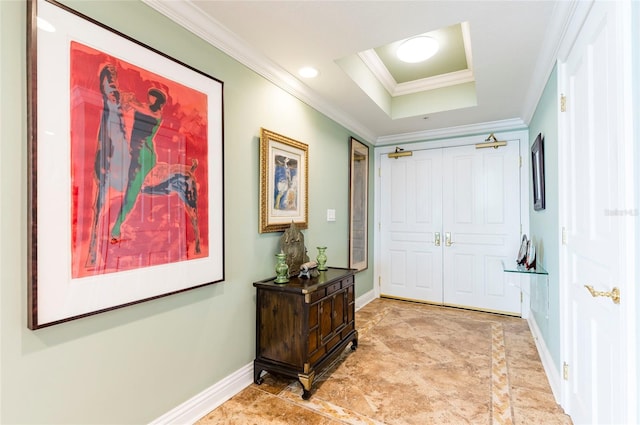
[125, 170]
[537, 168]
[358, 204]
[284, 167]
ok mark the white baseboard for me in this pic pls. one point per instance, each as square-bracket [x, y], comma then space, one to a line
[547, 361]
[365, 299]
[199, 405]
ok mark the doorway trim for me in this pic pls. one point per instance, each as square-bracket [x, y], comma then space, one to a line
[632, 192]
[520, 135]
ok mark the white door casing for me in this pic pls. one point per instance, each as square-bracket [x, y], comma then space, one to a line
[597, 221]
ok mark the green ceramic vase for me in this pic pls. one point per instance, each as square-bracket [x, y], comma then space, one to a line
[322, 258]
[282, 269]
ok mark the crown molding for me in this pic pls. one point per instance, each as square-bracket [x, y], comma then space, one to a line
[435, 82]
[192, 18]
[466, 39]
[443, 133]
[381, 72]
[566, 20]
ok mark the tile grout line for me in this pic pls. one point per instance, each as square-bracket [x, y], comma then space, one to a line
[325, 408]
[501, 412]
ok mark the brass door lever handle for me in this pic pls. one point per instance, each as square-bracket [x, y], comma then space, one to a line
[614, 294]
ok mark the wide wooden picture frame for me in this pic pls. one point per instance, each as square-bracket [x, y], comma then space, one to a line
[537, 171]
[358, 204]
[284, 182]
[125, 170]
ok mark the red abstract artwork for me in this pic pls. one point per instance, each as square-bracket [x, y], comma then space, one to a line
[139, 166]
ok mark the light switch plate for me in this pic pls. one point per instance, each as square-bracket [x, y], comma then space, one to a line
[331, 215]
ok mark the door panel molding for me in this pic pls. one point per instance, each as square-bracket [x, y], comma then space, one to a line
[595, 144]
[489, 230]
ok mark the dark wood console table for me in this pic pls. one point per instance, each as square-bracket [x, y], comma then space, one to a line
[303, 325]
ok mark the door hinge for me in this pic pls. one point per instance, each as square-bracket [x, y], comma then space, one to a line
[379, 227]
[521, 298]
[564, 235]
[379, 171]
[563, 103]
[520, 161]
[565, 371]
[379, 282]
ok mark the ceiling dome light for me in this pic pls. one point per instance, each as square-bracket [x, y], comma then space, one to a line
[417, 49]
[308, 72]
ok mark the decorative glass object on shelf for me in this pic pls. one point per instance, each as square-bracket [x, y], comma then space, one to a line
[322, 258]
[517, 268]
[522, 255]
[527, 254]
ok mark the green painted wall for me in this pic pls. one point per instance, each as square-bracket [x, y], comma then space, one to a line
[544, 227]
[134, 364]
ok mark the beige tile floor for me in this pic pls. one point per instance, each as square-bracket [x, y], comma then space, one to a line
[415, 364]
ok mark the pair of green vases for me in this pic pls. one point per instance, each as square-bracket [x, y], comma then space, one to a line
[282, 269]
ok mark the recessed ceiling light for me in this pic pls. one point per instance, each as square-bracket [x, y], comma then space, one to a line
[417, 49]
[308, 72]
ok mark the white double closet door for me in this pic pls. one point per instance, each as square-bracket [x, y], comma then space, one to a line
[449, 218]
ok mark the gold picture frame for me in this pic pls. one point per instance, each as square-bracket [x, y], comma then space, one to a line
[358, 204]
[284, 182]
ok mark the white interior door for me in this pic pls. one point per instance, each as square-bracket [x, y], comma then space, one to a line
[592, 192]
[481, 224]
[449, 217]
[411, 222]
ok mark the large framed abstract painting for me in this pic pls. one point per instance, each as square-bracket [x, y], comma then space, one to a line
[125, 166]
[284, 182]
[358, 204]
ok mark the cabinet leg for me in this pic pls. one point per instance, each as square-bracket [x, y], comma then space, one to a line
[307, 382]
[354, 343]
[257, 379]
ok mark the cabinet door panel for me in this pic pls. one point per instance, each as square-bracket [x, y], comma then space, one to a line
[339, 311]
[350, 304]
[313, 340]
[326, 310]
[281, 327]
[313, 316]
[333, 342]
[313, 358]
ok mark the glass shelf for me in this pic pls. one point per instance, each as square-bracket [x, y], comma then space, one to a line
[513, 267]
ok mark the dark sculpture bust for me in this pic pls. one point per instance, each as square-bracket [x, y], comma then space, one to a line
[292, 244]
